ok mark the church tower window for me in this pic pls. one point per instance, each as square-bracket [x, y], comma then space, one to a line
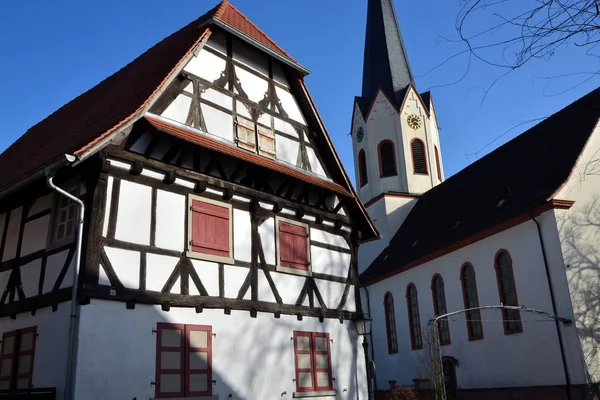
[418, 157]
[437, 163]
[362, 169]
[508, 292]
[439, 308]
[390, 323]
[387, 159]
[414, 321]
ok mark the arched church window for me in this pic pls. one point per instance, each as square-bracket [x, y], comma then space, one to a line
[390, 323]
[418, 157]
[437, 163]
[508, 292]
[414, 321]
[362, 169]
[439, 308]
[471, 300]
[387, 159]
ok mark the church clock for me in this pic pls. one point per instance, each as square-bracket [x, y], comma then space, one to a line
[360, 134]
[414, 121]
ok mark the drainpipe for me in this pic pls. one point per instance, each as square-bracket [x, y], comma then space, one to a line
[552, 298]
[373, 378]
[74, 319]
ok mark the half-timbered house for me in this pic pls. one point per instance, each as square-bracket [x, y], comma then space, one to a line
[219, 234]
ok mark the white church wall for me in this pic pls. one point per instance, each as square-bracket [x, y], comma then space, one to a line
[119, 345]
[368, 251]
[509, 366]
[51, 346]
[578, 229]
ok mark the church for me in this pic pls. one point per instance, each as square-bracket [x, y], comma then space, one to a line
[509, 246]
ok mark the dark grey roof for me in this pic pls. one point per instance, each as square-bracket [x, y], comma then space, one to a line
[512, 180]
[386, 63]
[426, 97]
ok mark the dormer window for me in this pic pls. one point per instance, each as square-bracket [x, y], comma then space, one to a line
[362, 169]
[419, 157]
[387, 159]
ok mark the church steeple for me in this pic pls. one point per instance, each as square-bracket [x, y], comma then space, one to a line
[386, 64]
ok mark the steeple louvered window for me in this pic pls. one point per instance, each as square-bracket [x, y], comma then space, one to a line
[362, 169]
[387, 159]
[419, 157]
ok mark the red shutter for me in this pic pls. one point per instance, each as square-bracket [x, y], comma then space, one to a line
[25, 357]
[210, 229]
[293, 246]
[198, 376]
[170, 345]
[7, 359]
[312, 356]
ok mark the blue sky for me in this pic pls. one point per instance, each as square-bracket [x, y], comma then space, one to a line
[54, 50]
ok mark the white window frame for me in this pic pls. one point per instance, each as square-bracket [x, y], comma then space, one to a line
[288, 270]
[203, 256]
[53, 242]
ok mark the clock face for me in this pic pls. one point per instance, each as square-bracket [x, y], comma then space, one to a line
[360, 134]
[414, 121]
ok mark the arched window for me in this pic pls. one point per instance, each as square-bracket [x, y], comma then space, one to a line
[414, 321]
[508, 292]
[418, 157]
[362, 169]
[390, 323]
[437, 163]
[387, 158]
[439, 308]
[471, 300]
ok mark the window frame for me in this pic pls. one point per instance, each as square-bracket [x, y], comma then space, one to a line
[425, 159]
[285, 269]
[437, 162]
[379, 146]
[390, 323]
[52, 241]
[411, 318]
[443, 323]
[363, 177]
[314, 370]
[16, 354]
[184, 351]
[467, 305]
[190, 224]
[506, 321]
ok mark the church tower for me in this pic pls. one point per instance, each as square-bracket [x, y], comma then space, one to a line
[394, 130]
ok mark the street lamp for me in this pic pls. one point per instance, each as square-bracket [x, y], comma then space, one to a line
[362, 324]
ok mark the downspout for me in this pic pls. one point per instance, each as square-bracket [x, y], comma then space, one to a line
[374, 378]
[74, 318]
[552, 298]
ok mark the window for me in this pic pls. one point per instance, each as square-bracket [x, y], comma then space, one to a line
[64, 219]
[312, 354]
[183, 360]
[362, 169]
[247, 133]
[414, 321]
[418, 157]
[471, 300]
[387, 159]
[210, 230]
[16, 360]
[508, 292]
[390, 323]
[437, 163]
[439, 308]
[293, 244]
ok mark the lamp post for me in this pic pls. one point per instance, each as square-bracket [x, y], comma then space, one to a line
[362, 324]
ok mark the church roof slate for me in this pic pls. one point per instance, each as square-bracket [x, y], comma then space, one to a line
[515, 179]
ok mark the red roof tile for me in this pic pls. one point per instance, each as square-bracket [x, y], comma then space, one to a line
[207, 142]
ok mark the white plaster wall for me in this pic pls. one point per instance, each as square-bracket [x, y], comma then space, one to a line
[578, 229]
[117, 350]
[170, 220]
[530, 358]
[179, 109]
[368, 251]
[133, 219]
[50, 360]
[35, 235]
[12, 235]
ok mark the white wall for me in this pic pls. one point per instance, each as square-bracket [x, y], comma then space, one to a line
[253, 358]
[50, 359]
[529, 358]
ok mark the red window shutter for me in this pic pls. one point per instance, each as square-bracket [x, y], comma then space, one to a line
[210, 229]
[312, 356]
[170, 366]
[7, 359]
[293, 246]
[198, 376]
[25, 357]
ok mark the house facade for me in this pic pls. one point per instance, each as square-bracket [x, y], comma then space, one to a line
[516, 228]
[219, 239]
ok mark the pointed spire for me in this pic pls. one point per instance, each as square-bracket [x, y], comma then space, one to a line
[386, 63]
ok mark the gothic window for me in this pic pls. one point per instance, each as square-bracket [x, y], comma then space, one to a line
[387, 159]
[439, 308]
[362, 169]
[418, 157]
[471, 300]
[508, 292]
[437, 163]
[390, 323]
[414, 320]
